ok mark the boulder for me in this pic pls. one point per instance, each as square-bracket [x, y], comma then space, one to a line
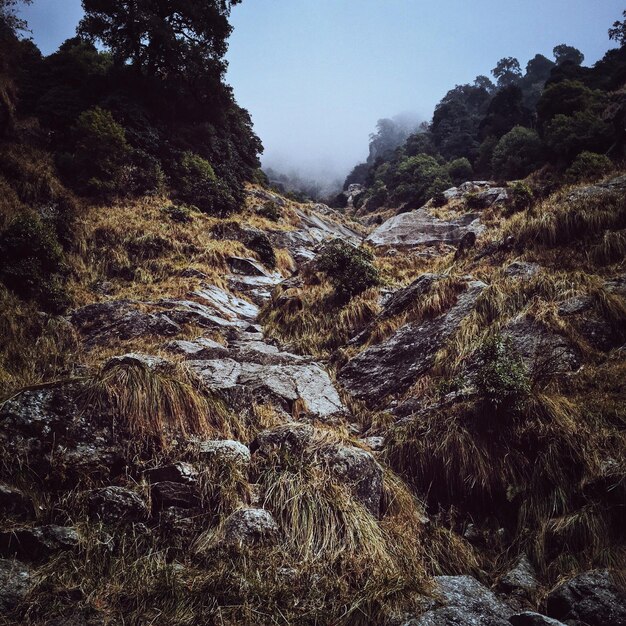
[257, 288]
[246, 266]
[223, 450]
[592, 598]
[522, 269]
[190, 312]
[250, 527]
[540, 347]
[226, 304]
[522, 578]
[15, 503]
[34, 544]
[180, 472]
[168, 494]
[528, 618]
[284, 383]
[395, 364]
[201, 348]
[15, 583]
[102, 322]
[137, 359]
[464, 602]
[115, 505]
[421, 228]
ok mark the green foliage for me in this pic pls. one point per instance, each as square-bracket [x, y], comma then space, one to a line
[101, 153]
[377, 196]
[460, 170]
[507, 72]
[502, 379]
[618, 32]
[568, 135]
[564, 53]
[271, 211]
[31, 261]
[260, 243]
[568, 97]
[350, 270]
[418, 179]
[517, 154]
[521, 197]
[588, 166]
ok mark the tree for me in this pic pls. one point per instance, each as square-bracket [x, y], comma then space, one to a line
[568, 97]
[517, 154]
[10, 23]
[159, 37]
[564, 53]
[507, 72]
[484, 82]
[538, 69]
[618, 32]
[505, 111]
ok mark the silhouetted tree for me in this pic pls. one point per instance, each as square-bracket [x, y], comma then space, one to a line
[507, 72]
[618, 32]
[564, 53]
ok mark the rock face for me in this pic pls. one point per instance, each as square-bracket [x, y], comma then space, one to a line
[521, 579]
[284, 383]
[223, 451]
[15, 582]
[392, 366]
[592, 598]
[420, 228]
[250, 527]
[528, 618]
[34, 544]
[114, 505]
[541, 348]
[465, 602]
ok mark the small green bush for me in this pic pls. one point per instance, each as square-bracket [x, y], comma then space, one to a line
[521, 197]
[460, 170]
[517, 154]
[350, 270]
[270, 211]
[197, 185]
[502, 379]
[31, 262]
[102, 154]
[588, 166]
[377, 196]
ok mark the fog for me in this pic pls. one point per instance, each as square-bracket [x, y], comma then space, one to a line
[317, 76]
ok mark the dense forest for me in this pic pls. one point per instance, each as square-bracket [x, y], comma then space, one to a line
[558, 118]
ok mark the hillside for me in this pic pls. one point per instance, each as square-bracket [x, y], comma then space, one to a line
[222, 406]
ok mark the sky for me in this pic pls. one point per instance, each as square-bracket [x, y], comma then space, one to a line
[316, 75]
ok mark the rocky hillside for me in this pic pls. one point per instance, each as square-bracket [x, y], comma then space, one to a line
[235, 426]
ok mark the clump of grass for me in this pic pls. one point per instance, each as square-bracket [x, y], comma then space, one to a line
[610, 249]
[158, 403]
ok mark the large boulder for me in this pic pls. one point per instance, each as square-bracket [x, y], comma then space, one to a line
[167, 494]
[284, 383]
[33, 544]
[102, 322]
[226, 304]
[250, 527]
[15, 582]
[395, 364]
[528, 618]
[115, 505]
[464, 602]
[421, 228]
[592, 598]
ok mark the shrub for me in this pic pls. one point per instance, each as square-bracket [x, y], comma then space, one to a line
[520, 197]
[588, 166]
[475, 201]
[31, 262]
[460, 170]
[418, 179]
[271, 211]
[260, 243]
[101, 153]
[196, 184]
[517, 154]
[350, 270]
[377, 196]
[502, 379]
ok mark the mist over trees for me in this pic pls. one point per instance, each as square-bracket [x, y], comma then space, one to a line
[543, 117]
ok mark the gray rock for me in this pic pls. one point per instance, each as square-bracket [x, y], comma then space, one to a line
[376, 444]
[168, 494]
[190, 312]
[286, 383]
[117, 505]
[179, 472]
[250, 527]
[541, 348]
[522, 269]
[592, 598]
[257, 288]
[15, 503]
[395, 364]
[528, 618]
[246, 266]
[102, 322]
[34, 544]
[226, 304]
[15, 583]
[223, 450]
[421, 228]
[201, 348]
[137, 359]
[522, 578]
[465, 602]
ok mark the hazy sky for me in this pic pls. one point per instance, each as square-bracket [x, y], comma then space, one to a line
[317, 74]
